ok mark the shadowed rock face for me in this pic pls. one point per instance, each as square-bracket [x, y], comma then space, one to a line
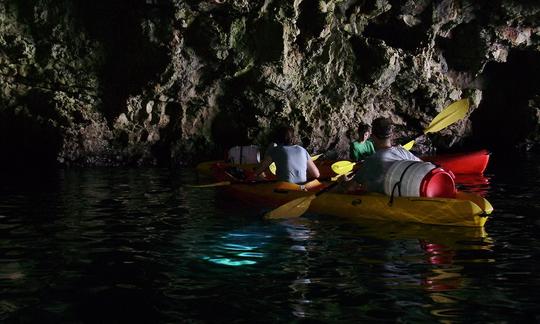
[174, 82]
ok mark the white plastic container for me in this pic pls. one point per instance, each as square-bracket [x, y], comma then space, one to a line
[418, 179]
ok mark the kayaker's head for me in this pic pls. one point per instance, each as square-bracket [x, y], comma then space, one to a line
[284, 135]
[382, 131]
[364, 131]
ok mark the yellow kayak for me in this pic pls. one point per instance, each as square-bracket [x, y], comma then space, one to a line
[467, 209]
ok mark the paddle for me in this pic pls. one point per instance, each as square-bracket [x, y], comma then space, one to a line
[342, 167]
[228, 183]
[445, 118]
[210, 185]
[449, 115]
[297, 207]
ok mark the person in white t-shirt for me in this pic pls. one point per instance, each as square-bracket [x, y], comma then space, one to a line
[293, 163]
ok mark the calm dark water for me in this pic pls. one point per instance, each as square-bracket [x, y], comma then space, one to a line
[137, 246]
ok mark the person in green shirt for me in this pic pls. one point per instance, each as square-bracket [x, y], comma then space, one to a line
[363, 147]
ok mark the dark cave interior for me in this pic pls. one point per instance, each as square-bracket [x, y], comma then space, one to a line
[498, 121]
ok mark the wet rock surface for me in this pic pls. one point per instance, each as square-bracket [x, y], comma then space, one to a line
[176, 82]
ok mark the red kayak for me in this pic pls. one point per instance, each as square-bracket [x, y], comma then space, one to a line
[461, 163]
[473, 163]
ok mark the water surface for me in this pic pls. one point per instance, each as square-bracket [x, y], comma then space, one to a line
[137, 245]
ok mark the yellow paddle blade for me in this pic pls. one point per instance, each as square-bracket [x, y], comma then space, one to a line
[315, 157]
[272, 168]
[292, 209]
[216, 184]
[448, 116]
[409, 145]
[342, 167]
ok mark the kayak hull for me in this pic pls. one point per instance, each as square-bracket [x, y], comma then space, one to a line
[461, 163]
[466, 210]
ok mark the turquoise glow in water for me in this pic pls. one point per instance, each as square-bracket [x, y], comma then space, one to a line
[229, 262]
[136, 245]
[238, 249]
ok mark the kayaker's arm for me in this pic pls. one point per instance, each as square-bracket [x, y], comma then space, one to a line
[348, 184]
[265, 163]
[312, 169]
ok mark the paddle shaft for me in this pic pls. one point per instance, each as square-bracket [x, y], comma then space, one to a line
[413, 138]
[326, 189]
[228, 183]
[331, 186]
[296, 207]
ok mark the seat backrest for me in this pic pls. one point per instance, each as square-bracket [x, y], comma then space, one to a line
[246, 154]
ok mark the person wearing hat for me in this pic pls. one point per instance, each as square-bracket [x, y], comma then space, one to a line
[371, 174]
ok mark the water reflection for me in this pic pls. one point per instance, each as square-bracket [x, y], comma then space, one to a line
[476, 183]
[431, 258]
[407, 257]
[301, 235]
[444, 275]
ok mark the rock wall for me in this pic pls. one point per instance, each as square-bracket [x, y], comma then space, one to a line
[175, 82]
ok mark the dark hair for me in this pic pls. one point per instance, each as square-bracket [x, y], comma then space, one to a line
[362, 128]
[284, 135]
[382, 128]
